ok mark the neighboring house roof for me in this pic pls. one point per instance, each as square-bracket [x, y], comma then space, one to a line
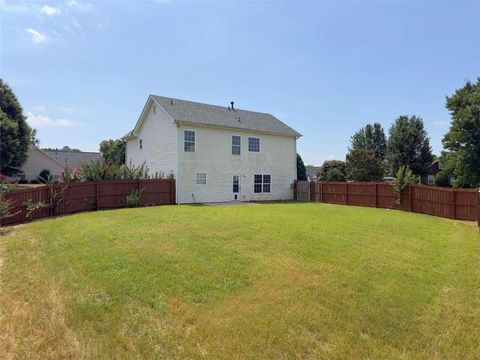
[312, 170]
[73, 159]
[189, 112]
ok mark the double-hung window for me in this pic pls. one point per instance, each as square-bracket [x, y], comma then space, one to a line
[236, 144]
[261, 183]
[189, 141]
[253, 144]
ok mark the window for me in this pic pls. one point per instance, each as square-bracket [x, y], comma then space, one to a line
[431, 179]
[189, 143]
[140, 144]
[266, 183]
[261, 183]
[253, 144]
[201, 178]
[154, 109]
[236, 144]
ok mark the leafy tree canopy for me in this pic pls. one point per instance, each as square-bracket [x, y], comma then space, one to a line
[371, 137]
[113, 151]
[363, 165]
[332, 170]
[442, 179]
[15, 134]
[461, 157]
[408, 144]
[301, 171]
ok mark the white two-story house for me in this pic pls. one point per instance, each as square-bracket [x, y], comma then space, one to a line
[215, 153]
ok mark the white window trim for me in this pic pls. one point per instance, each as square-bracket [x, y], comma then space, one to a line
[231, 144]
[259, 144]
[201, 172]
[262, 192]
[194, 131]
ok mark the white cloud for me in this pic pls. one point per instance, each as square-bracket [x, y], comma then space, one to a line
[49, 10]
[79, 5]
[37, 37]
[40, 120]
[13, 7]
[331, 157]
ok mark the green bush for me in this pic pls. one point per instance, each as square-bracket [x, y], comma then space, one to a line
[100, 170]
[133, 200]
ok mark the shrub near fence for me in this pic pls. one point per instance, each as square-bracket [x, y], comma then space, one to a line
[88, 196]
[462, 204]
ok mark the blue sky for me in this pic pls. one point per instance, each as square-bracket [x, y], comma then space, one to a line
[83, 70]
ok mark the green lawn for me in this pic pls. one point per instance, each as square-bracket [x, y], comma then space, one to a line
[279, 281]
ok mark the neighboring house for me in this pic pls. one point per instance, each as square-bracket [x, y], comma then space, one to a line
[433, 170]
[38, 160]
[73, 159]
[312, 172]
[216, 153]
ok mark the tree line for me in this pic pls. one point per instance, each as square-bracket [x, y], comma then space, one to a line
[372, 155]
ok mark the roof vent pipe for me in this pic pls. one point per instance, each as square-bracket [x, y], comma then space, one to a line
[231, 102]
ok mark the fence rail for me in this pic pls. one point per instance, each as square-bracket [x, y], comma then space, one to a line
[89, 196]
[462, 204]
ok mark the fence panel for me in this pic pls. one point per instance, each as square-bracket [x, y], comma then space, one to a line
[460, 204]
[78, 197]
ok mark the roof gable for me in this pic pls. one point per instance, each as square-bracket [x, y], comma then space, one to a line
[184, 111]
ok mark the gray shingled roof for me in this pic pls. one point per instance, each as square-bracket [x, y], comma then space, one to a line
[73, 159]
[213, 115]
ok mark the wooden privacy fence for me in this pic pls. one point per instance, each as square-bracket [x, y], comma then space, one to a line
[462, 204]
[89, 196]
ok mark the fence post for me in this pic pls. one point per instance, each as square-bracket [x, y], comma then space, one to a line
[97, 195]
[454, 204]
[295, 190]
[376, 195]
[321, 191]
[346, 193]
[311, 191]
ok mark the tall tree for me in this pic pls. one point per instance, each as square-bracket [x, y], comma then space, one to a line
[15, 134]
[363, 165]
[461, 157]
[371, 137]
[332, 170]
[408, 144]
[113, 151]
[301, 171]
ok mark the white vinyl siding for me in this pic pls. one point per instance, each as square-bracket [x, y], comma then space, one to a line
[213, 155]
[159, 144]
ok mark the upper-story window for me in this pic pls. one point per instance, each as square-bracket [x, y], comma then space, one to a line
[253, 144]
[236, 144]
[140, 144]
[189, 140]
[154, 109]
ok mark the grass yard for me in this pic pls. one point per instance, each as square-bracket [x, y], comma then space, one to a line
[279, 281]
